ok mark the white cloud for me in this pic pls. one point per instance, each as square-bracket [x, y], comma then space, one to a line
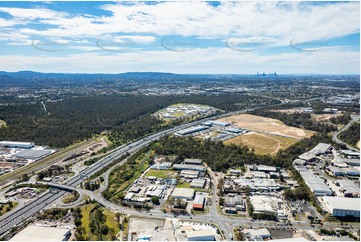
[210, 60]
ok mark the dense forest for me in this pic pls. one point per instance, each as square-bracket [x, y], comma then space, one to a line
[126, 117]
[352, 135]
[221, 157]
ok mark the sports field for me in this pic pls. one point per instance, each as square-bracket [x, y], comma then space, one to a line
[267, 125]
[263, 144]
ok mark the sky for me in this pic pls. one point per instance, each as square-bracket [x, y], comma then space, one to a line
[181, 37]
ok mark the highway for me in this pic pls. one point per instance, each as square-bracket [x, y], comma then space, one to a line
[335, 135]
[14, 218]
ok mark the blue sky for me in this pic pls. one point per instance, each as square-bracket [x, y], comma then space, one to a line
[181, 37]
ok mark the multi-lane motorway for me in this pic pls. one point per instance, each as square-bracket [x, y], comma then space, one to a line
[25, 212]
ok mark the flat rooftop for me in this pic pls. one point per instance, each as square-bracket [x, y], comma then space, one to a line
[39, 233]
[343, 203]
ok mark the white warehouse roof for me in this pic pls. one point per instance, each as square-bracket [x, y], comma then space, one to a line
[337, 204]
[38, 233]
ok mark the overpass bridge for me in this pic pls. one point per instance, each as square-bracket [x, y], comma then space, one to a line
[59, 186]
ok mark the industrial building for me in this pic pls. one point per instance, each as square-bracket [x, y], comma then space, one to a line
[317, 185]
[199, 201]
[162, 166]
[32, 154]
[188, 167]
[265, 204]
[183, 193]
[189, 174]
[343, 206]
[39, 233]
[257, 234]
[200, 235]
[350, 154]
[218, 123]
[193, 161]
[21, 145]
[336, 171]
[198, 183]
[191, 130]
[349, 187]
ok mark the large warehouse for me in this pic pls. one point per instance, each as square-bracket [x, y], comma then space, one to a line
[39, 233]
[13, 144]
[317, 185]
[343, 206]
[183, 193]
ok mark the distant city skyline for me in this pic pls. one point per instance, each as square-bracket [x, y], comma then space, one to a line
[181, 37]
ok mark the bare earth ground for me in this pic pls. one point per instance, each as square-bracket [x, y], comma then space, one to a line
[263, 143]
[268, 125]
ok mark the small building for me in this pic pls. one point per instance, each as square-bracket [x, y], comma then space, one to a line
[273, 175]
[266, 169]
[199, 201]
[343, 206]
[233, 130]
[183, 193]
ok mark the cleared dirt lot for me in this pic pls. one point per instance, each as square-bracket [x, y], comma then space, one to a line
[268, 125]
[263, 143]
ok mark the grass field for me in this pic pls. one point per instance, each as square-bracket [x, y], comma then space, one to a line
[85, 220]
[184, 185]
[70, 197]
[162, 173]
[4, 208]
[263, 143]
[268, 125]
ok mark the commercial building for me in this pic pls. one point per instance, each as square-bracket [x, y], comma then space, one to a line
[233, 130]
[32, 154]
[39, 233]
[317, 185]
[183, 193]
[199, 201]
[13, 144]
[343, 206]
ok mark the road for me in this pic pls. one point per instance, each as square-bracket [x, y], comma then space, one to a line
[335, 135]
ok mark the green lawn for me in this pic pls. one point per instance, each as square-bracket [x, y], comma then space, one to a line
[184, 185]
[162, 173]
[85, 220]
